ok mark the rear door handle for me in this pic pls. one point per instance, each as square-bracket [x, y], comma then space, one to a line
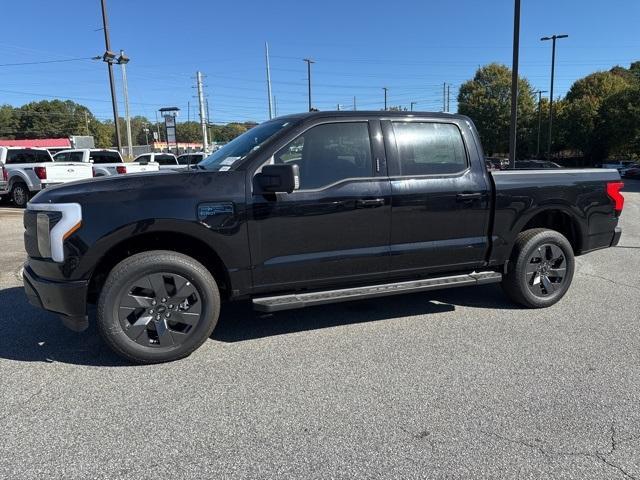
[468, 197]
[370, 203]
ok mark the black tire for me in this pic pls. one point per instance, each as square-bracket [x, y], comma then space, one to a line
[20, 194]
[135, 307]
[541, 268]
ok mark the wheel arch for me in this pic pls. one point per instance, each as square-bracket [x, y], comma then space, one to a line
[159, 240]
[558, 219]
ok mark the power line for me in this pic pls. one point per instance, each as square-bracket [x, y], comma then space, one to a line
[45, 61]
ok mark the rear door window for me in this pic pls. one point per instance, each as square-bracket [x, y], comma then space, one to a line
[429, 148]
[165, 160]
[62, 157]
[104, 157]
[16, 157]
[75, 156]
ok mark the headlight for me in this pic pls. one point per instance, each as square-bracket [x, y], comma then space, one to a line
[55, 222]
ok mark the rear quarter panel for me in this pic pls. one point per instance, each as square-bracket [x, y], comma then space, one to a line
[522, 194]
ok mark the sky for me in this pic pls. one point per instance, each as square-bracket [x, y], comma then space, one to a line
[410, 47]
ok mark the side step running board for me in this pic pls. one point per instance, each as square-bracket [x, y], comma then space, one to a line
[301, 300]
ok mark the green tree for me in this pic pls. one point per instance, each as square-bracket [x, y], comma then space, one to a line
[55, 118]
[7, 122]
[189, 132]
[487, 100]
[620, 121]
[581, 120]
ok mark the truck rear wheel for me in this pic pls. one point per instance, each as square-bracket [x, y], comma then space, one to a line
[20, 194]
[158, 306]
[541, 268]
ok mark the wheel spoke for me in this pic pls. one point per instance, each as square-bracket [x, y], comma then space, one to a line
[136, 330]
[184, 292]
[158, 284]
[557, 272]
[164, 335]
[135, 301]
[536, 279]
[556, 253]
[532, 267]
[187, 318]
[548, 284]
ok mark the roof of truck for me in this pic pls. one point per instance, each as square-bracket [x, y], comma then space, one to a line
[370, 113]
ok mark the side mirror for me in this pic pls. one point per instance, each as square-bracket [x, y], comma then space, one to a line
[279, 178]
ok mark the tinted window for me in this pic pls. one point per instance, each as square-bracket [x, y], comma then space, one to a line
[223, 158]
[105, 157]
[76, 156]
[61, 157]
[27, 156]
[190, 159]
[329, 153]
[429, 148]
[143, 158]
[165, 159]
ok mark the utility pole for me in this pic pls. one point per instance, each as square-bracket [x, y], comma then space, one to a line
[444, 96]
[309, 62]
[412, 104]
[354, 103]
[266, 55]
[338, 107]
[203, 124]
[448, 97]
[514, 85]
[539, 92]
[553, 38]
[158, 127]
[385, 97]
[86, 121]
[122, 61]
[188, 111]
[108, 57]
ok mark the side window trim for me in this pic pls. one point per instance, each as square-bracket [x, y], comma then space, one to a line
[391, 144]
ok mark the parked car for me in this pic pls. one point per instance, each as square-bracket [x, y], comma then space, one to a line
[166, 161]
[104, 162]
[192, 158]
[374, 204]
[632, 171]
[26, 171]
[620, 166]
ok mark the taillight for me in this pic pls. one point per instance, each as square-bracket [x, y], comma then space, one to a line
[41, 172]
[5, 174]
[121, 169]
[613, 192]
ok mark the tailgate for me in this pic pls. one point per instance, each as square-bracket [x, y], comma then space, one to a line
[67, 172]
[134, 167]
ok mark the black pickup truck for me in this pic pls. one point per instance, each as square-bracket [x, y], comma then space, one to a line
[305, 210]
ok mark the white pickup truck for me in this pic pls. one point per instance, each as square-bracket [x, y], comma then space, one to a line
[167, 161]
[26, 171]
[104, 162]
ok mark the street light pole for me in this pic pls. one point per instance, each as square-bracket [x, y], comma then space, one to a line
[309, 62]
[514, 86]
[108, 57]
[539, 92]
[412, 104]
[122, 61]
[385, 97]
[553, 39]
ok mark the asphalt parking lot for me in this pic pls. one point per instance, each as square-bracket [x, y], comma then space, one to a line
[448, 384]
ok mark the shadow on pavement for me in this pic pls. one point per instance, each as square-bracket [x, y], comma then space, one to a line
[29, 334]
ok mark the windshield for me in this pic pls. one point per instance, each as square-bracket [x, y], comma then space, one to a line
[238, 148]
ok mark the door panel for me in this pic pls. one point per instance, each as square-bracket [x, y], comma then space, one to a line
[440, 205]
[336, 228]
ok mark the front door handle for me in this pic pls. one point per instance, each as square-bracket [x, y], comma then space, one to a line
[370, 203]
[468, 197]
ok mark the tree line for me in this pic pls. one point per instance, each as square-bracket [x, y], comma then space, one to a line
[598, 118]
[58, 119]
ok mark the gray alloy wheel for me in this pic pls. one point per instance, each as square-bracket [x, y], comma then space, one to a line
[546, 270]
[160, 309]
[20, 194]
[157, 306]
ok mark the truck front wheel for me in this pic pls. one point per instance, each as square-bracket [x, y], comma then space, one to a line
[158, 306]
[20, 194]
[541, 268]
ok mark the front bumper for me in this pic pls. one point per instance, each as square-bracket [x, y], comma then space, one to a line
[66, 298]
